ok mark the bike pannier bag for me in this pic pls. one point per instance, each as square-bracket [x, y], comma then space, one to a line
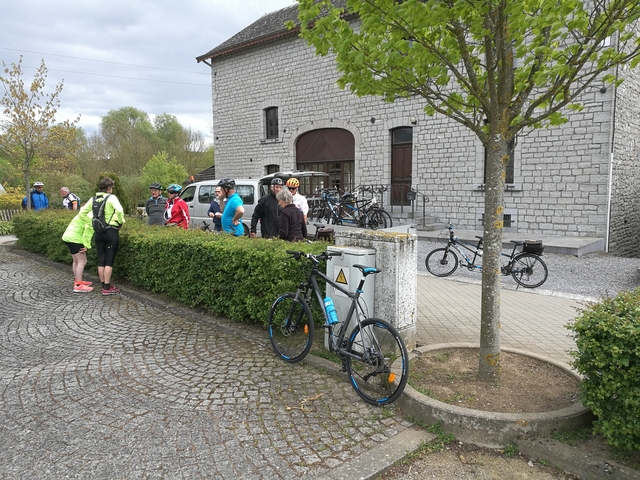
[533, 246]
[326, 234]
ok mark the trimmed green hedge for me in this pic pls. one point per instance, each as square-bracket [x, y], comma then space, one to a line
[607, 336]
[237, 278]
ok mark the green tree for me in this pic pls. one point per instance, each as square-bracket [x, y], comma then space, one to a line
[181, 143]
[129, 140]
[160, 168]
[494, 66]
[28, 129]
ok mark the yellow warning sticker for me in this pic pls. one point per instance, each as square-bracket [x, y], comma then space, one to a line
[341, 278]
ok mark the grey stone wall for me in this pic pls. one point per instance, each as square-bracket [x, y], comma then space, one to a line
[625, 198]
[561, 174]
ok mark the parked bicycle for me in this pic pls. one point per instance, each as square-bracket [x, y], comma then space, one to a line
[349, 209]
[526, 267]
[373, 354]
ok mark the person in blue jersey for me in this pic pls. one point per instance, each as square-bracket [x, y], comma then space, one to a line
[233, 209]
[39, 199]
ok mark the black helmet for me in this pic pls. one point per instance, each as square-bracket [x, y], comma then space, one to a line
[156, 185]
[227, 183]
[277, 181]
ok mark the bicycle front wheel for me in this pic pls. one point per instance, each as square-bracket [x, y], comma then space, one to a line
[377, 362]
[441, 262]
[290, 327]
[529, 270]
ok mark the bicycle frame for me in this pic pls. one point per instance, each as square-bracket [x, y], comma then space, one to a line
[311, 283]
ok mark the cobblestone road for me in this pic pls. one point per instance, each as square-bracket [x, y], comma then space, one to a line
[131, 387]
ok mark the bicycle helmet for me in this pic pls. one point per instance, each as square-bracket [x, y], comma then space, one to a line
[174, 188]
[227, 183]
[276, 181]
[38, 184]
[156, 185]
[293, 183]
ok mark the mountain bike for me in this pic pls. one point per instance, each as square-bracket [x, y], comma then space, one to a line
[526, 267]
[365, 213]
[373, 354]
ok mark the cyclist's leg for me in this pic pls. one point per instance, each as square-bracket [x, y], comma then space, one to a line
[290, 328]
[381, 369]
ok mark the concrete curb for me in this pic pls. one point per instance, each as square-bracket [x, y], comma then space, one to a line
[575, 460]
[491, 429]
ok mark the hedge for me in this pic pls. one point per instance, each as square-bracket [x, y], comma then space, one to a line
[607, 336]
[234, 277]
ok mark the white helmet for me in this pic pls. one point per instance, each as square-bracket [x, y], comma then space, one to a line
[38, 184]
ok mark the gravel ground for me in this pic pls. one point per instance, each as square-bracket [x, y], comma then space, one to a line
[594, 275]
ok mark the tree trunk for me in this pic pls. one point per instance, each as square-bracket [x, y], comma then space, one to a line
[497, 159]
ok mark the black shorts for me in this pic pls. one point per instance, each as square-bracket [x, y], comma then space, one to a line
[107, 247]
[74, 247]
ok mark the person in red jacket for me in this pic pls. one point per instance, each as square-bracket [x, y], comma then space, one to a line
[176, 212]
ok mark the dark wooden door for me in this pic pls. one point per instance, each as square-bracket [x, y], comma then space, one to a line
[401, 165]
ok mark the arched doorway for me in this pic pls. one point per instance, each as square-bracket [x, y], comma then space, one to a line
[330, 150]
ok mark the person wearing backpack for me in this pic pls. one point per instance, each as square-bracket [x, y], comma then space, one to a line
[107, 217]
[69, 200]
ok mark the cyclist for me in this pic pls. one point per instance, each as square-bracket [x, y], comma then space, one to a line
[267, 212]
[69, 200]
[233, 209]
[156, 205]
[215, 210]
[291, 226]
[39, 199]
[298, 200]
[176, 211]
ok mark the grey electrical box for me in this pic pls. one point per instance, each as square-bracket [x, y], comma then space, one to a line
[342, 271]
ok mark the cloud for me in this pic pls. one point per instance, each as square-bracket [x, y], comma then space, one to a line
[126, 53]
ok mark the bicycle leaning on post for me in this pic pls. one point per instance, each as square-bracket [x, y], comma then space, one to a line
[373, 354]
[526, 267]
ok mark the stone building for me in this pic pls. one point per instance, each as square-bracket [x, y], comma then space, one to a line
[276, 106]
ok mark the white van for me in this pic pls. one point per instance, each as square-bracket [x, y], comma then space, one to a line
[199, 195]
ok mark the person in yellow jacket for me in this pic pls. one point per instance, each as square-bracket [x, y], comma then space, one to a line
[107, 241]
[77, 237]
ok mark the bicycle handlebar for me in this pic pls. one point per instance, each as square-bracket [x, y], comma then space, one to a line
[314, 258]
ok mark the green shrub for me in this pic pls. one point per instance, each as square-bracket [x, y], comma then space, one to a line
[6, 228]
[237, 278]
[12, 198]
[607, 336]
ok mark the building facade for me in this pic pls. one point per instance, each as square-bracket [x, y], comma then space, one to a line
[276, 106]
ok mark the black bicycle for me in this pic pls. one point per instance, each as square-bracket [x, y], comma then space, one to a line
[372, 353]
[526, 267]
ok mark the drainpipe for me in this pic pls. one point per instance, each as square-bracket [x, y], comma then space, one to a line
[611, 143]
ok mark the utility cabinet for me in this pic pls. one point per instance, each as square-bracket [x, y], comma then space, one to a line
[342, 271]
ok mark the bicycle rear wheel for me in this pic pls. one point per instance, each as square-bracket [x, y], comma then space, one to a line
[529, 270]
[379, 368]
[441, 262]
[290, 327]
[378, 219]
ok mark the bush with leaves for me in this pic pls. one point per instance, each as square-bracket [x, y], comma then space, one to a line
[234, 277]
[607, 336]
[6, 228]
[12, 198]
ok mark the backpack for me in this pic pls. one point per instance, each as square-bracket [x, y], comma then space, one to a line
[99, 223]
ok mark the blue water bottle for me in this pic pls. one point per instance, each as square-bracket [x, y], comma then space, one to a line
[332, 315]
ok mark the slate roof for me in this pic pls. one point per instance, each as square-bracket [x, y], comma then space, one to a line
[266, 28]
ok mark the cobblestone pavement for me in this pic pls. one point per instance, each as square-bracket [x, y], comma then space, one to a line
[130, 387]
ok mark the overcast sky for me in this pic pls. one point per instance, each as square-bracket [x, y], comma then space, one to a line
[119, 53]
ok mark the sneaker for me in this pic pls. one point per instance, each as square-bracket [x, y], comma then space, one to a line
[80, 288]
[88, 284]
[112, 291]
